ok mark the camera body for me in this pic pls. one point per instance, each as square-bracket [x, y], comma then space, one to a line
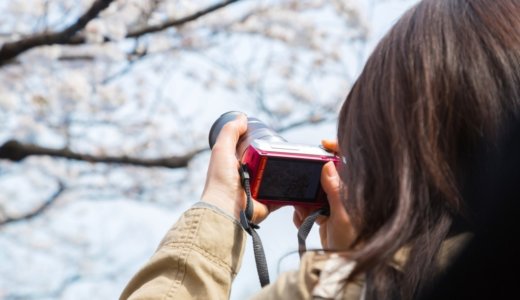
[286, 174]
[280, 172]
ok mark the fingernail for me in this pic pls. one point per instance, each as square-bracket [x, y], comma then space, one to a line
[331, 169]
[242, 116]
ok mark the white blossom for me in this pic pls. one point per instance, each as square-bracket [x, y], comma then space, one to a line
[52, 52]
[156, 18]
[110, 94]
[284, 108]
[301, 92]
[8, 100]
[95, 31]
[115, 29]
[75, 86]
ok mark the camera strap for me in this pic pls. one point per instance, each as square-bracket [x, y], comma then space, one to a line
[246, 217]
[306, 227]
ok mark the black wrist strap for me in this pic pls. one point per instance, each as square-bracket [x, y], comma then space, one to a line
[246, 217]
[306, 227]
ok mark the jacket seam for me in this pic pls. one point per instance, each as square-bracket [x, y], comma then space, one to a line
[192, 247]
[192, 226]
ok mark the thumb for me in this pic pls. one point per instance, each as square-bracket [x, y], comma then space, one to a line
[330, 182]
[231, 132]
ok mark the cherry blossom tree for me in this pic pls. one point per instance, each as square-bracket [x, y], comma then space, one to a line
[74, 72]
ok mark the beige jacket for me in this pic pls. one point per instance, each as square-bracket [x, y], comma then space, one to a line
[201, 254]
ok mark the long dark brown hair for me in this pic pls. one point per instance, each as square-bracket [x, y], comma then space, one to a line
[442, 80]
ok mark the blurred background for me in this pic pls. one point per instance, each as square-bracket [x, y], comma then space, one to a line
[105, 109]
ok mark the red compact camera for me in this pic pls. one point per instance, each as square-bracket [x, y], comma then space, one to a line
[280, 172]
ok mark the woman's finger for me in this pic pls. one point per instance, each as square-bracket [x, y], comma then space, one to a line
[297, 220]
[321, 219]
[323, 236]
[261, 211]
[331, 145]
[301, 213]
[331, 185]
[230, 133]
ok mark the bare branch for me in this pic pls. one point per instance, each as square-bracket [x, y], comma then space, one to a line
[79, 39]
[69, 35]
[181, 21]
[13, 49]
[39, 210]
[16, 151]
[133, 57]
[85, 57]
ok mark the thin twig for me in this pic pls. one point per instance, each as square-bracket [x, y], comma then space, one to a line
[12, 49]
[39, 210]
[80, 39]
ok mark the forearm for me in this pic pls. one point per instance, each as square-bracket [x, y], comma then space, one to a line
[198, 258]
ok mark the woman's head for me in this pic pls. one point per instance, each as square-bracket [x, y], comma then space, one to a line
[442, 80]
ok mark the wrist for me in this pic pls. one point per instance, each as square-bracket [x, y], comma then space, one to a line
[228, 204]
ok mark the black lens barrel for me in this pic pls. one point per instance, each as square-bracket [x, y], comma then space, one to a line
[256, 129]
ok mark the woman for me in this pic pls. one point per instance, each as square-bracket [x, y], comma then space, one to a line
[442, 82]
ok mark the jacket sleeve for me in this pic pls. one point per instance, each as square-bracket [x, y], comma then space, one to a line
[198, 259]
[310, 281]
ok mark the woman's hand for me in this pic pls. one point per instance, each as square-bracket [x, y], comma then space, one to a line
[336, 232]
[223, 188]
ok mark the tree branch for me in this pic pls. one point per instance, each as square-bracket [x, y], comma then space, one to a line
[39, 210]
[181, 21]
[80, 39]
[16, 151]
[13, 49]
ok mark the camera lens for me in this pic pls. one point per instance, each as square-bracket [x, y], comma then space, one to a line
[256, 129]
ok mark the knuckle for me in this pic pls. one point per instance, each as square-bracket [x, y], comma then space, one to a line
[229, 127]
